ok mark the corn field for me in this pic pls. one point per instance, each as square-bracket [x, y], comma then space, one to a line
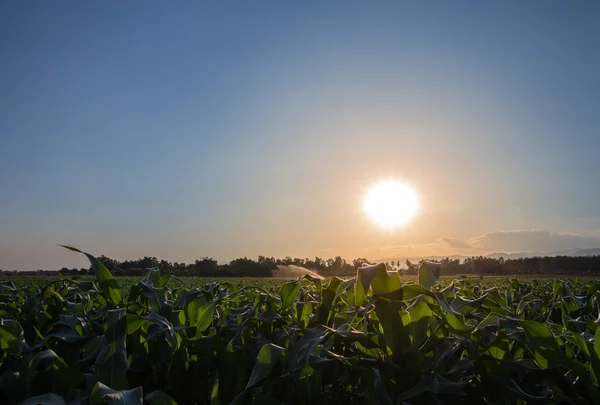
[367, 340]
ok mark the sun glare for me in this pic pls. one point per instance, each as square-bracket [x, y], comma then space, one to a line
[390, 204]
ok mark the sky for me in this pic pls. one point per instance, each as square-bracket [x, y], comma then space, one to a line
[236, 129]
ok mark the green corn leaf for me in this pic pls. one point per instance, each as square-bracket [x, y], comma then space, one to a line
[408, 293]
[106, 281]
[160, 398]
[111, 363]
[289, 293]
[268, 356]
[466, 306]
[597, 342]
[377, 278]
[12, 338]
[104, 395]
[328, 294]
[204, 316]
[214, 394]
[429, 274]
[420, 316]
[395, 332]
[546, 350]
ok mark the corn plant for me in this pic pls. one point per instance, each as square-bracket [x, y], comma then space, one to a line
[367, 340]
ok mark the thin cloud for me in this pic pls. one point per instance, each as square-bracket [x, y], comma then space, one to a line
[456, 243]
[533, 240]
[511, 241]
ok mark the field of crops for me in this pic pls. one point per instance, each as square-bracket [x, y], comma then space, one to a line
[125, 283]
[368, 340]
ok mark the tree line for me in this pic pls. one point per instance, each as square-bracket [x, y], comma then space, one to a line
[547, 265]
[264, 266]
[241, 267]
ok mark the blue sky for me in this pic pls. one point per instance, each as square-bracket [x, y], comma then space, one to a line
[246, 128]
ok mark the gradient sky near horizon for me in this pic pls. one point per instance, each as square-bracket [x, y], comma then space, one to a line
[235, 129]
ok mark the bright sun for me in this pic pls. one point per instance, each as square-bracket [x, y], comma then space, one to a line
[390, 204]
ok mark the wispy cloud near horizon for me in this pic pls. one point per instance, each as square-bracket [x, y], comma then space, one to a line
[503, 241]
[534, 240]
[456, 243]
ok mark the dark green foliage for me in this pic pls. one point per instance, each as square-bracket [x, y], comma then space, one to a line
[267, 266]
[370, 339]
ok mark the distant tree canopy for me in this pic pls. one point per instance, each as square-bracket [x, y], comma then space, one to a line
[337, 266]
[552, 265]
